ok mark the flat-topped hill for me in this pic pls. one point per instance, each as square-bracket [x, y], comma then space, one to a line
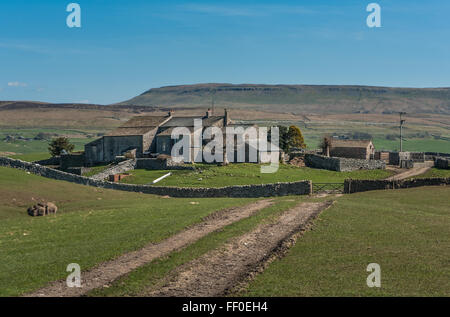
[299, 98]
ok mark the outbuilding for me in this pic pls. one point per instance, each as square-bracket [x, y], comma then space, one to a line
[358, 149]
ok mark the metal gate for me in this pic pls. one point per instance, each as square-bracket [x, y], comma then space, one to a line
[328, 188]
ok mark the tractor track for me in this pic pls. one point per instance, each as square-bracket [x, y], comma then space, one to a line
[107, 272]
[224, 270]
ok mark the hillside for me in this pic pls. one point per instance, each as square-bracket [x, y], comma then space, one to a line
[92, 226]
[18, 105]
[299, 98]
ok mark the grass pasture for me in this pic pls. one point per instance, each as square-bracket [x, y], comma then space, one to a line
[422, 133]
[145, 278]
[434, 173]
[414, 145]
[32, 157]
[38, 149]
[244, 174]
[92, 225]
[379, 140]
[407, 232]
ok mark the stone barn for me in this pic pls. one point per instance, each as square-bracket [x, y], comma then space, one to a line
[357, 149]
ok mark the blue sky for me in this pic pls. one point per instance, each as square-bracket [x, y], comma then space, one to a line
[126, 47]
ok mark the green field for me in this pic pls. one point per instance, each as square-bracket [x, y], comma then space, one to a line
[32, 157]
[37, 147]
[414, 145]
[314, 132]
[244, 174]
[145, 278]
[400, 230]
[434, 172]
[380, 143]
[29, 150]
[92, 225]
[407, 232]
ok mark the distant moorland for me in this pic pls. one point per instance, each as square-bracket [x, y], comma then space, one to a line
[368, 112]
[300, 98]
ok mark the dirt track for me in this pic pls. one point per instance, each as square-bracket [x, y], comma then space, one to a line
[219, 271]
[409, 173]
[107, 272]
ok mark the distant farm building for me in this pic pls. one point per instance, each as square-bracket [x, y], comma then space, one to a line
[357, 149]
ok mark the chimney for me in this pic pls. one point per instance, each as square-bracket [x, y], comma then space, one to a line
[208, 113]
[226, 118]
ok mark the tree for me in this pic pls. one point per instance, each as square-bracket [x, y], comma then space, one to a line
[295, 138]
[56, 146]
[325, 145]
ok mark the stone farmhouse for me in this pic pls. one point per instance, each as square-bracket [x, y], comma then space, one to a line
[147, 136]
[357, 149]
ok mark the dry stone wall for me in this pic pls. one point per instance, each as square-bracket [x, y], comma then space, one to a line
[341, 164]
[55, 160]
[432, 156]
[71, 160]
[356, 186]
[396, 158]
[265, 190]
[161, 164]
[443, 163]
[122, 167]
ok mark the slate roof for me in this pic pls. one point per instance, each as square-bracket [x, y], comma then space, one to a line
[189, 121]
[207, 122]
[180, 122]
[144, 124]
[168, 132]
[138, 126]
[130, 131]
